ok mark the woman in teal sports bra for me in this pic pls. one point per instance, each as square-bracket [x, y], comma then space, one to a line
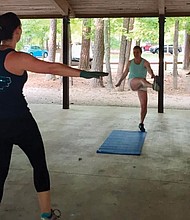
[137, 69]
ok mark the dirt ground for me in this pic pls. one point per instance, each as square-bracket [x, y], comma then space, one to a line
[38, 90]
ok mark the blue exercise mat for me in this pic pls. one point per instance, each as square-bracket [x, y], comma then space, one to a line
[123, 142]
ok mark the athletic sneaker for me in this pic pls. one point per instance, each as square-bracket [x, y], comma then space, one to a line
[55, 214]
[141, 127]
[155, 84]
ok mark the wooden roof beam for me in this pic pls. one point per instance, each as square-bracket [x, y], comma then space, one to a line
[161, 7]
[64, 7]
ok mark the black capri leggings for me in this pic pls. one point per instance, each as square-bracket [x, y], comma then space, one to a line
[24, 133]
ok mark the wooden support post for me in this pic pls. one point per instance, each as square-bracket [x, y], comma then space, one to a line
[65, 61]
[161, 64]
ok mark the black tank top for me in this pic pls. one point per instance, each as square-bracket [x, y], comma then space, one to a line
[12, 100]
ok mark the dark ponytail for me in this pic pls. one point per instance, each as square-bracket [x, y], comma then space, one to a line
[8, 23]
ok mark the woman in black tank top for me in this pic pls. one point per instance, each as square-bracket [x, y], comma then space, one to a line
[17, 126]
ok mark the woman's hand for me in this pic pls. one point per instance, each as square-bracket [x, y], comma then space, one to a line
[94, 74]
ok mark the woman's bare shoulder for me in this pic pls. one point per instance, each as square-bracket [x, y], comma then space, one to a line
[146, 62]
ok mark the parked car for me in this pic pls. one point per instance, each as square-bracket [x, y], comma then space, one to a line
[75, 62]
[146, 46]
[167, 49]
[75, 52]
[35, 51]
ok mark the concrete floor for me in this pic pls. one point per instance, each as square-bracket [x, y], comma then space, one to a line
[91, 186]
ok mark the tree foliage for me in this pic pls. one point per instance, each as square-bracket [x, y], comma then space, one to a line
[146, 30]
[35, 31]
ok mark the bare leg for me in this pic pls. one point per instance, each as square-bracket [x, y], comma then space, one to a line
[44, 201]
[137, 83]
[143, 103]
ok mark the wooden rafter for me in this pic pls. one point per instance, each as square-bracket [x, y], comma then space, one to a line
[161, 7]
[63, 6]
[96, 8]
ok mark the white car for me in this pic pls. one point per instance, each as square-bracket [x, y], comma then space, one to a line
[75, 54]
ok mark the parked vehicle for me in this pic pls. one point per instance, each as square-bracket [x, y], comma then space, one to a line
[75, 52]
[35, 51]
[146, 46]
[167, 49]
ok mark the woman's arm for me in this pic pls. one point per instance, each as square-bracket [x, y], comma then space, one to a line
[124, 75]
[149, 69]
[18, 62]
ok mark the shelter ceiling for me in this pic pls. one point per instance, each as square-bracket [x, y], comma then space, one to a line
[95, 8]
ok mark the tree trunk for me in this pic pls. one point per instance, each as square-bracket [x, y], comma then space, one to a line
[129, 43]
[123, 45]
[85, 49]
[125, 49]
[186, 60]
[52, 46]
[97, 63]
[107, 50]
[175, 54]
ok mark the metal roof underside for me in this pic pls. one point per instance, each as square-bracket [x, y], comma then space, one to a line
[95, 8]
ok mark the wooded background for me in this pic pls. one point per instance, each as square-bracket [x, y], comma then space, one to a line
[106, 36]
